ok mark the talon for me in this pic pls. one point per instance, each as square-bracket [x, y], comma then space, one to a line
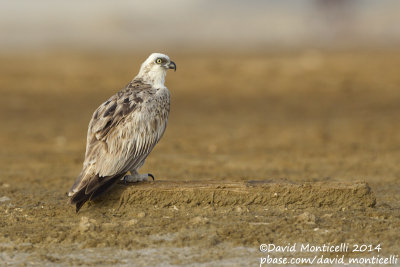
[125, 182]
[151, 175]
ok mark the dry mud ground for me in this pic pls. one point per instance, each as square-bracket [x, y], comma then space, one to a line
[314, 127]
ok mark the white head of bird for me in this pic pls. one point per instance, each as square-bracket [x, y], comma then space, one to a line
[154, 69]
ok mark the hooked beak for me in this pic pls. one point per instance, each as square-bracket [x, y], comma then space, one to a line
[172, 65]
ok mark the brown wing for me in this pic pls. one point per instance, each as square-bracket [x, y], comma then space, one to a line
[121, 134]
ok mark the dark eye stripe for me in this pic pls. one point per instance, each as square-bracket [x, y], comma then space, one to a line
[161, 60]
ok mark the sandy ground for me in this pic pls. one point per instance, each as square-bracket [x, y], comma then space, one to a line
[297, 119]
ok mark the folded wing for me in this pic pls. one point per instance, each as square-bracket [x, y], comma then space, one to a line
[121, 134]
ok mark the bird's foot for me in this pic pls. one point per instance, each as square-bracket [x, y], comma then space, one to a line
[137, 178]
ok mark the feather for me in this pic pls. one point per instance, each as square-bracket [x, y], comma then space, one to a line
[121, 134]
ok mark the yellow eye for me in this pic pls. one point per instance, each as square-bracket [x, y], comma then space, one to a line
[158, 60]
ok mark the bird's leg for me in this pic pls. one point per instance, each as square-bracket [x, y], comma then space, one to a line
[136, 177]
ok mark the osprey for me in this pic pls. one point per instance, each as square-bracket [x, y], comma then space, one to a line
[123, 131]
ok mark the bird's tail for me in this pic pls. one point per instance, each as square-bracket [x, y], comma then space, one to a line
[72, 191]
[85, 193]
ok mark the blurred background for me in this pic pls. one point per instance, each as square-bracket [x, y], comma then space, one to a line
[296, 91]
[198, 25]
[301, 90]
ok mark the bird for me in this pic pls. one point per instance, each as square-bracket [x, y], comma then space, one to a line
[123, 131]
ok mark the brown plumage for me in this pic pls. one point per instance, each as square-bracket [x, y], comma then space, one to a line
[123, 131]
